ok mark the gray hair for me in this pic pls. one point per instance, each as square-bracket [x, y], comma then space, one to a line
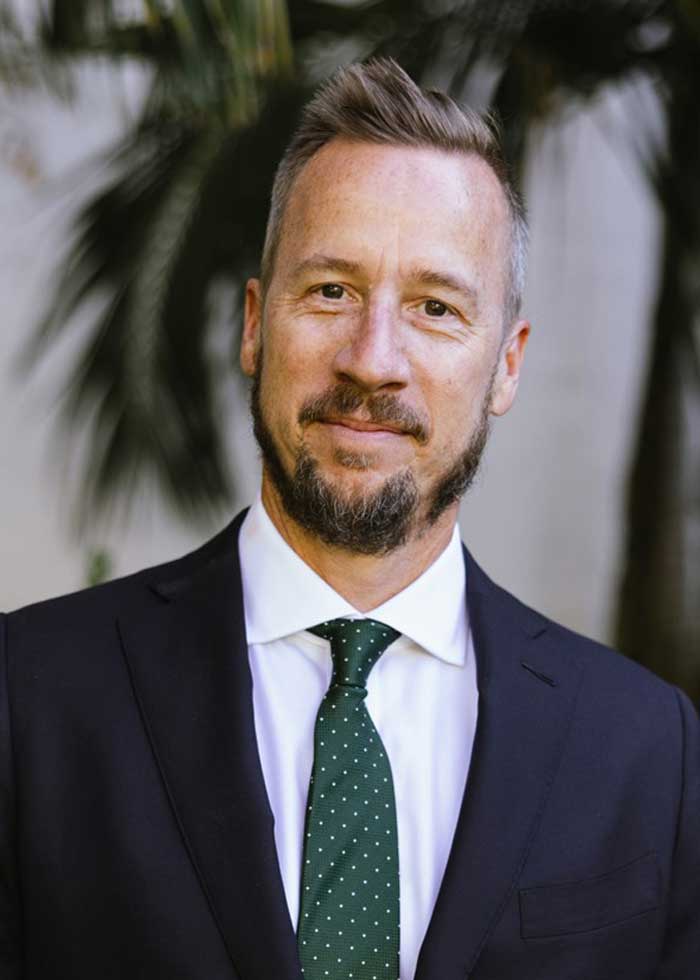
[377, 102]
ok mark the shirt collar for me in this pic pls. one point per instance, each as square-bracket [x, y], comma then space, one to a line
[282, 595]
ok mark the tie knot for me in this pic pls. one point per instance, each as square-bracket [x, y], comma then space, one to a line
[356, 645]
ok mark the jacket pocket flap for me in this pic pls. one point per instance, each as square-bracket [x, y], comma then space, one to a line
[581, 906]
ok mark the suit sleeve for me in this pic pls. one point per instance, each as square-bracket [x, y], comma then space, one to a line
[10, 946]
[682, 945]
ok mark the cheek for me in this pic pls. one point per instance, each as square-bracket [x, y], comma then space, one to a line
[296, 341]
[292, 371]
[455, 405]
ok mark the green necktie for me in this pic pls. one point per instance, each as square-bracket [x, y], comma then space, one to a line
[349, 909]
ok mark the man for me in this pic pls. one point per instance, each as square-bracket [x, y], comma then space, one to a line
[217, 768]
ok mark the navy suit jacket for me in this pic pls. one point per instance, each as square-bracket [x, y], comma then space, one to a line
[136, 837]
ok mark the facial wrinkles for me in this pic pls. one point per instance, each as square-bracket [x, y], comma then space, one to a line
[404, 234]
[466, 242]
[409, 211]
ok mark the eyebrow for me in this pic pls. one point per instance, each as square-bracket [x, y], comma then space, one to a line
[319, 262]
[445, 280]
[325, 263]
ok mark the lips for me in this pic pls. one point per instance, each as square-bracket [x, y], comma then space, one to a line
[359, 425]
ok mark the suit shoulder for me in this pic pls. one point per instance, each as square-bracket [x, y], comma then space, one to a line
[606, 664]
[92, 605]
[605, 668]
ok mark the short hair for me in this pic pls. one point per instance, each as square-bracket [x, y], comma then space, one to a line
[377, 102]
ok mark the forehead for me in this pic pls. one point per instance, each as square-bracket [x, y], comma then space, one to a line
[405, 205]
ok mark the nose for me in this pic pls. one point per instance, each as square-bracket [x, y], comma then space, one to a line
[373, 356]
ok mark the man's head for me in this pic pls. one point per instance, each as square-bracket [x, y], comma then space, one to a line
[383, 333]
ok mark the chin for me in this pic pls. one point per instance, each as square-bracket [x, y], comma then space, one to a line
[357, 472]
[345, 460]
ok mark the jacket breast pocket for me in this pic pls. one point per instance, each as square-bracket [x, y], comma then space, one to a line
[581, 906]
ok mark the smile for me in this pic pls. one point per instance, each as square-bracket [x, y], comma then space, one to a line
[355, 429]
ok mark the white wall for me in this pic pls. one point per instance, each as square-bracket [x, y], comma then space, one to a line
[546, 516]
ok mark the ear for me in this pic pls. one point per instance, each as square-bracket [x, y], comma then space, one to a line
[252, 323]
[510, 361]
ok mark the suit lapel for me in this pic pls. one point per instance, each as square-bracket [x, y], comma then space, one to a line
[524, 716]
[188, 658]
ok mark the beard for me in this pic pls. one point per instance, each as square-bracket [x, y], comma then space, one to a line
[379, 521]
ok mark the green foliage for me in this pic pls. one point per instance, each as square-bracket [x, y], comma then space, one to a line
[99, 567]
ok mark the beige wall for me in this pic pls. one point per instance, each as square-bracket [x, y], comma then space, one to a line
[546, 517]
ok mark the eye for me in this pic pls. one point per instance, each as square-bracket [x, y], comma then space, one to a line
[433, 307]
[331, 290]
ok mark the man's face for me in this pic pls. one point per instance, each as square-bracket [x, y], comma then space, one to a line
[380, 350]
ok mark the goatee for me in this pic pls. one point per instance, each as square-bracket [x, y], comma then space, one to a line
[371, 523]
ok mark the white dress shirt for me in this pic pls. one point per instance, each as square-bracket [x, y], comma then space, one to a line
[422, 697]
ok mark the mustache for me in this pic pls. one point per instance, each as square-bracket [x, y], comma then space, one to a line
[344, 399]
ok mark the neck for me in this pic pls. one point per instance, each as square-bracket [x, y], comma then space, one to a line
[366, 581]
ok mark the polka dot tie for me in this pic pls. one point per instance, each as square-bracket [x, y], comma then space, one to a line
[349, 910]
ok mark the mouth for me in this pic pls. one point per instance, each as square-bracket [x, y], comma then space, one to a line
[360, 426]
[357, 430]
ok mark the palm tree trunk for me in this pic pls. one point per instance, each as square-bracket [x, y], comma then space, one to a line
[659, 612]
